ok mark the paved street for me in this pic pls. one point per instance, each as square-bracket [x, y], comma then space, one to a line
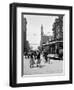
[55, 66]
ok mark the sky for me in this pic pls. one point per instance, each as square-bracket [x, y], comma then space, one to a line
[34, 23]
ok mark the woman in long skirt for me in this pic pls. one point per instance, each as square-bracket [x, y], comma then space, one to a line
[42, 59]
[32, 61]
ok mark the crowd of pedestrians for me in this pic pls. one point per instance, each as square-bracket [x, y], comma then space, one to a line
[36, 58]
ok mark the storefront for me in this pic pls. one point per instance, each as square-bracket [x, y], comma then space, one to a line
[54, 47]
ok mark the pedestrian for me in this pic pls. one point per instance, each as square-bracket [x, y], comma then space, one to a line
[31, 61]
[38, 59]
[45, 55]
[42, 59]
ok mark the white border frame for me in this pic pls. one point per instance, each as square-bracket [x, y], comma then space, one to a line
[66, 46]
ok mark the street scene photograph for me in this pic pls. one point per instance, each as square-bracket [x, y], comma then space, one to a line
[42, 44]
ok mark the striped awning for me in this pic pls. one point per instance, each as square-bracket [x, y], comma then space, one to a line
[52, 42]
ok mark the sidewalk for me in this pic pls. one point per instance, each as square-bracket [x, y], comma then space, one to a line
[55, 66]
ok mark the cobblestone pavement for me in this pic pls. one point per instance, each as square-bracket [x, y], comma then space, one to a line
[55, 66]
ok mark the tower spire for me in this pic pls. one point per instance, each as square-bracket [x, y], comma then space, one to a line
[42, 33]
